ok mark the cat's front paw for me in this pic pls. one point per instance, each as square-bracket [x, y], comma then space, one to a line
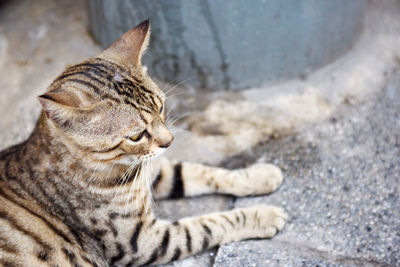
[262, 222]
[260, 179]
[269, 220]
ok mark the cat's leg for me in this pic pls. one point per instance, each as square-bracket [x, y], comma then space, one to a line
[174, 180]
[188, 236]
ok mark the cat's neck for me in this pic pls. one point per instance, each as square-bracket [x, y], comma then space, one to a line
[65, 157]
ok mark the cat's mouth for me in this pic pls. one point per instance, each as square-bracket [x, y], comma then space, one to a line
[152, 155]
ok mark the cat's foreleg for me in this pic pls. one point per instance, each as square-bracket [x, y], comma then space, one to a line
[188, 236]
[179, 179]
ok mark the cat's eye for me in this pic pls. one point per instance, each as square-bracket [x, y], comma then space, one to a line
[137, 137]
[162, 109]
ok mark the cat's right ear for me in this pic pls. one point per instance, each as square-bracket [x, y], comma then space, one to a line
[128, 49]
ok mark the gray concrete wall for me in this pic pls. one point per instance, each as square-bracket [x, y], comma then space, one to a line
[234, 44]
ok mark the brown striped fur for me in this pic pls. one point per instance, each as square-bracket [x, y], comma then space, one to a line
[77, 191]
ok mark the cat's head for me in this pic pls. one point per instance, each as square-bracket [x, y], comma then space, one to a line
[108, 108]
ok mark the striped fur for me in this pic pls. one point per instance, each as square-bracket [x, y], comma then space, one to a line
[77, 191]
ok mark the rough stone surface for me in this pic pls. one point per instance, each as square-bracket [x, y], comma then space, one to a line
[341, 191]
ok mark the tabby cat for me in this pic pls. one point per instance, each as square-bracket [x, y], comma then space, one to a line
[78, 191]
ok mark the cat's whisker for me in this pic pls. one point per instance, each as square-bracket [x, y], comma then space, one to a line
[93, 177]
[167, 91]
[109, 172]
[142, 181]
[127, 194]
[175, 130]
[135, 181]
[175, 94]
[121, 182]
[169, 83]
[178, 84]
[180, 133]
[124, 178]
[144, 178]
[171, 109]
[139, 186]
[178, 117]
[149, 184]
[117, 186]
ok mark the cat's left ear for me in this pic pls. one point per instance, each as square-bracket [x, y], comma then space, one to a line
[60, 107]
[129, 49]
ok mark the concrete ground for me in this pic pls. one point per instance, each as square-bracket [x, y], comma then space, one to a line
[334, 133]
[341, 190]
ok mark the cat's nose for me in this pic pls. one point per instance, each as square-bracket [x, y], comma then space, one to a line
[165, 137]
[167, 143]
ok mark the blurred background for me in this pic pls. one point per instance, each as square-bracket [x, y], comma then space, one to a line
[309, 85]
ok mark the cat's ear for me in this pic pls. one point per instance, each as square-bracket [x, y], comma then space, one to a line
[128, 49]
[58, 106]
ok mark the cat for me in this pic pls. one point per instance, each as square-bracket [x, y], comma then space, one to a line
[78, 191]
